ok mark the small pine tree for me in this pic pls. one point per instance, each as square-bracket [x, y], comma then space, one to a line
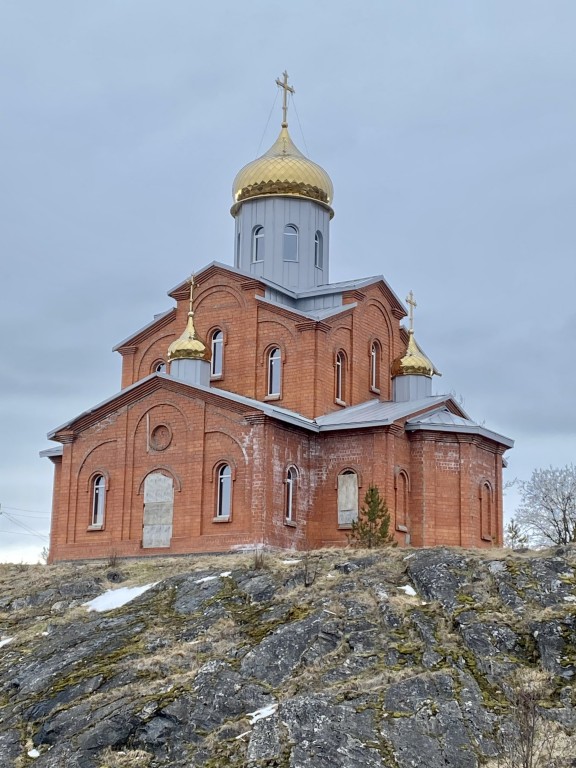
[514, 536]
[372, 529]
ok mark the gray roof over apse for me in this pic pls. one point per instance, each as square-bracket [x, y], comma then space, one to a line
[442, 420]
[376, 412]
[372, 413]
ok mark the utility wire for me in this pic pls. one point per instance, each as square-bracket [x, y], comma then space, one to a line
[33, 511]
[267, 123]
[23, 533]
[293, 100]
[25, 527]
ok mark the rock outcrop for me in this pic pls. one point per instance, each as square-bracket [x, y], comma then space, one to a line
[381, 659]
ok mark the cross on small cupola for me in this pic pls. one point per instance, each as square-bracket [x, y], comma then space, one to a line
[286, 88]
[412, 304]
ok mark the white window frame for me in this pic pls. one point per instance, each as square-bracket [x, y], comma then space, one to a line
[375, 358]
[224, 492]
[98, 501]
[274, 373]
[217, 349]
[289, 496]
[318, 250]
[258, 244]
[340, 378]
[289, 238]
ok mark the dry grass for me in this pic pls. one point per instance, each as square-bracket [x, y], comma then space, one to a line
[131, 758]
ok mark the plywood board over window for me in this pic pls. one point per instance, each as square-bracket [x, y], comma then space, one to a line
[158, 510]
[347, 498]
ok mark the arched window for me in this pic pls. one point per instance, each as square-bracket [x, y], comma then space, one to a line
[340, 389]
[375, 358]
[224, 495]
[98, 501]
[289, 499]
[486, 511]
[274, 371]
[159, 367]
[217, 353]
[258, 244]
[290, 248]
[401, 488]
[318, 250]
[347, 498]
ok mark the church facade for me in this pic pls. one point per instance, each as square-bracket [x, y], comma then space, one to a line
[261, 407]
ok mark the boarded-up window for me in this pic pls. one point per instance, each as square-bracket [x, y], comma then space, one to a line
[347, 498]
[158, 510]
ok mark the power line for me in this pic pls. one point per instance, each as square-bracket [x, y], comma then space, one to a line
[32, 511]
[24, 526]
[23, 533]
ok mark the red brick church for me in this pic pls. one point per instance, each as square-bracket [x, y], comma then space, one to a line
[258, 410]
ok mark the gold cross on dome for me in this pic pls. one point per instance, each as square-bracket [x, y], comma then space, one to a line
[411, 303]
[285, 87]
[192, 286]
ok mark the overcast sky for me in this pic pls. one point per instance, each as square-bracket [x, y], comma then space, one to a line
[447, 127]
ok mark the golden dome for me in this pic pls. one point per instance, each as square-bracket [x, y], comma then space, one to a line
[283, 170]
[414, 362]
[189, 346]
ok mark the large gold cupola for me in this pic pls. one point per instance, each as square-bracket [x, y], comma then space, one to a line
[188, 346]
[283, 171]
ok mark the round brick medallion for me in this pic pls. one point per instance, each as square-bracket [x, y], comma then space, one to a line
[161, 437]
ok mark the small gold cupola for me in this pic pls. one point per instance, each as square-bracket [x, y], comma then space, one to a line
[188, 346]
[413, 362]
[412, 372]
[283, 170]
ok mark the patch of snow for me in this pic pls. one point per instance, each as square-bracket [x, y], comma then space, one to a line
[409, 556]
[261, 714]
[225, 574]
[116, 598]
[290, 562]
[5, 640]
[33, 753]
[408, 590]
[241, 736]
[570, 599]
[206, 578]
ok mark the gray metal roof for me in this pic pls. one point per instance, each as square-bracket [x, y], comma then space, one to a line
[375, 412]
[320, 290]
[442, 420]
[57, 450]
[372, 413]
[310, 314]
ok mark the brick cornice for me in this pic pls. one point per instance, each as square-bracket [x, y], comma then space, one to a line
[129, 345]
[138, 392]
[355, 295]
[313, 325]
[127, 350]
[396, 308]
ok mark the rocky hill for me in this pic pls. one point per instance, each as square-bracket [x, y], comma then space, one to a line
[390, 658]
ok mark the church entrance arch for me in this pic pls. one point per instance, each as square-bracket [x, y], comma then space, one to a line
[158, 510]
[347, 498]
